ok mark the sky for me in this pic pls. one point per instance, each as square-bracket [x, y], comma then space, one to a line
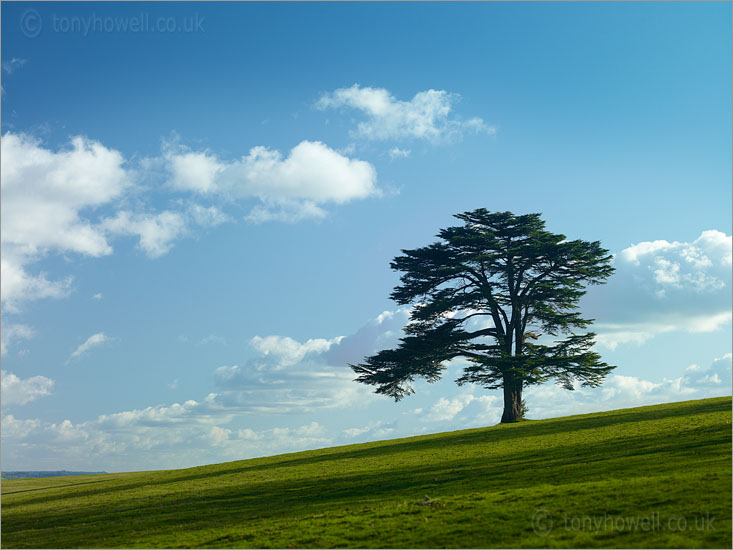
[200, 203]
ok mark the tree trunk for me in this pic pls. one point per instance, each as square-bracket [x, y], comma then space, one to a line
[512, 401]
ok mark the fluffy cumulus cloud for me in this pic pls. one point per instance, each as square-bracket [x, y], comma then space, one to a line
[428, 115]
[289, 188]
[19, 391]
[57, 188]
[156, 232]
[76, 199]
[382, 332]
[93, 341]
[465, 402]
[663, 286]
[287, 352]
[292, 377]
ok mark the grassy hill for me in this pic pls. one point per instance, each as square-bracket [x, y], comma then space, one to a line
[646, 477]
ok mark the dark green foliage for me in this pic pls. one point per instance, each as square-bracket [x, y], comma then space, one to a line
[480, 488]
[524, 411]
[524, 281]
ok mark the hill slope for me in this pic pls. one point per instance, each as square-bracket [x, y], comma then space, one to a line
[646, 477]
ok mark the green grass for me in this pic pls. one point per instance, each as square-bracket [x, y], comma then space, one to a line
[648, 477]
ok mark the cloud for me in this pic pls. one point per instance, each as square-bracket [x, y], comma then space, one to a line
[55, 187]
[208, 216]
[717, 376]
[662, 286]
[156, 231]
[620, 391]
[447, 409]
[19, 286]
[180, 434]
[18, 429]
[39, 184]
[93, 341]
[428, 115]
[12, 332]
[82, 195]
[194, 171]
[299, 377]
[97, 296]
[374, 430]
[13, 65]
[382, 332]
[287, 352]
[19, 391]
[289, 188]
[397, 153]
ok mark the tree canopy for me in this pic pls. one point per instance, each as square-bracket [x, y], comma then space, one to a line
[501, 292]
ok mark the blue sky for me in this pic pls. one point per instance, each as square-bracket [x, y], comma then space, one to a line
[199, 211]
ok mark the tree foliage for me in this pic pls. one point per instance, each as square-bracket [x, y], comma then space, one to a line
[502, 292]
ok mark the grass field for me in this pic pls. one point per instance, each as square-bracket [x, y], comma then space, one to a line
[646, 477]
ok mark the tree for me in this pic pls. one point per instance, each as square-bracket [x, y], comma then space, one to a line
[482, 293]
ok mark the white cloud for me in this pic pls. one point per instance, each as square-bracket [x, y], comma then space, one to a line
[12, 332]
[19, 286]
[447, 409]
[19, 391]
[717, 375]
[194, 171]
[13, 65]
[39, 184]
[294, 377]
[44, 194]
[66, 201]
[397, 153]
[180, 434]
[374, 430]
[93, 341]
[620, 391]
[662, 286]
[287, 352]
[208, 216]
[382, 332]
[14, 428]
[289, 188]
[285, 211]
[426, 116]
[156, 231]
[97, 296]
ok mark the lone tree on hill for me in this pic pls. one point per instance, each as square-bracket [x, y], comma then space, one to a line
[481, 293]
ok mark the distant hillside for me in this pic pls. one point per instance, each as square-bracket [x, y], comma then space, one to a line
[649, 477]
[57, 473]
